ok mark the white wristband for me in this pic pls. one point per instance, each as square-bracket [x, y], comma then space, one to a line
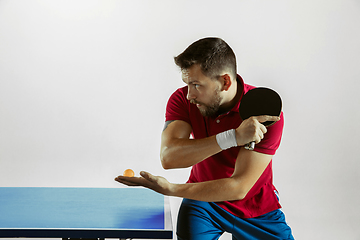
[226, 139]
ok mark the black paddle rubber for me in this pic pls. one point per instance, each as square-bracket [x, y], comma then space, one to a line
[257, 102]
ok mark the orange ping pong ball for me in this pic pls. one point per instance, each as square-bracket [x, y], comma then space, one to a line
[129, 173]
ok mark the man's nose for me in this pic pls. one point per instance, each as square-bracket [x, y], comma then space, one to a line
[190, 94]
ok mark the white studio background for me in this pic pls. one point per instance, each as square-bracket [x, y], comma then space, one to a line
[84, 85]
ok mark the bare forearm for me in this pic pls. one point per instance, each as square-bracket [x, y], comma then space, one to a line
[226, 189]
[249, 166]
[182, 153]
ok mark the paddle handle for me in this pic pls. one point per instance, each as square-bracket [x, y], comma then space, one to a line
[250, 146]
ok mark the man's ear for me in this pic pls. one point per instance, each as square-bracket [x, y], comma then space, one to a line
[225, 81]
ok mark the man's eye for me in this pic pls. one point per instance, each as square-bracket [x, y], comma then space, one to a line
[197, 85]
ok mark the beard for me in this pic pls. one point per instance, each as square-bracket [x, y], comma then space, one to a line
[209, 110]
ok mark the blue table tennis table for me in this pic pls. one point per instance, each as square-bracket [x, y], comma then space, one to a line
[84, 213]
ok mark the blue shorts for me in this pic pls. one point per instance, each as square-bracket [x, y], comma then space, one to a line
[204, 221]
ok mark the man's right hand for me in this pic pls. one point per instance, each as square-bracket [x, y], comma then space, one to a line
[252, 129]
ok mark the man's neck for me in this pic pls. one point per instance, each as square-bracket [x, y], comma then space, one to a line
[229, 105]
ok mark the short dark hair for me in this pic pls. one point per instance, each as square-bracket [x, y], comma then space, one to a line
[213, 55]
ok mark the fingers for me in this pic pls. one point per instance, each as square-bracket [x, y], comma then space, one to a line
[260, 129]
[265, 118]
[148, 176]
[252, 129]
[129, 181]
[144, 180]
[260, 134]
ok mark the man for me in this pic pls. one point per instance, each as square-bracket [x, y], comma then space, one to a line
[230, 188]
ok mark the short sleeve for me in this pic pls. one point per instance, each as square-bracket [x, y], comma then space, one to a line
[272, 138]
[178, 106]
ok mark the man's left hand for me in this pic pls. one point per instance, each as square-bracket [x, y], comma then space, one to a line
[157, 183]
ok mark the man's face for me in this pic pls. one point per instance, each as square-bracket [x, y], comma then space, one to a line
[202, 90]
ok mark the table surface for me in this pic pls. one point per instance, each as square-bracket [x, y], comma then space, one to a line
[84, 213]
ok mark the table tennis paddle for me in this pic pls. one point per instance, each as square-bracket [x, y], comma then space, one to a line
[257, 102]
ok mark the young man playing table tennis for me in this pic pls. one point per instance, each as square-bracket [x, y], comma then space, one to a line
[230, 188]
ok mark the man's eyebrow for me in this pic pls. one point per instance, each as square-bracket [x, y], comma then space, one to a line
[192, 81]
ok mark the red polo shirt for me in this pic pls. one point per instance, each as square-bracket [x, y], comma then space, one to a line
[261, 198]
